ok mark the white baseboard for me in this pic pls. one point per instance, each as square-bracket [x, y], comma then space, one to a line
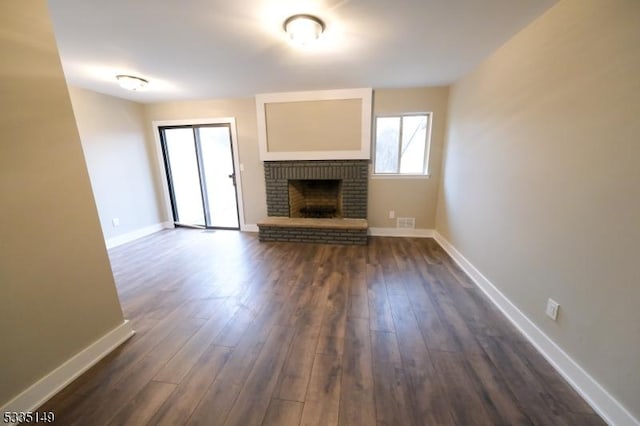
[401, 232]
[41, 391]
[596, 396]
[138, 233]
[249, 227]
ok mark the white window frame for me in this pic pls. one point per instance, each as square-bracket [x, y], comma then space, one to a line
[427, 150]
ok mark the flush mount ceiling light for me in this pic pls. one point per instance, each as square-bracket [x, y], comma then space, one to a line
[303, 29]
[131, 82]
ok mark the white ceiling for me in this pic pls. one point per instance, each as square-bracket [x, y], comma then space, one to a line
[199, 49]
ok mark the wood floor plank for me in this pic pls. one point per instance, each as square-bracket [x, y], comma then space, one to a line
[322, 400]
[232, 332]
[282, 333]
[217, 401]
[179, 365]
[141, 408]
[108, 399]
[202, 308]
[496, 390]
[296, 371]
[426, 395]
[550, 380]
[283, 413]
[392, 391]
[297, 368]
[357, 406]
[437, 335]
[477, 316]
[492, 315]
[466, 406]
[118, 364]
[358, 306]
[530, 393]
[452, 318]
[380, 318]
[331, 344]
[182, 402]
[334, 321]
[432, 253]
[411, 344]
[252, 402]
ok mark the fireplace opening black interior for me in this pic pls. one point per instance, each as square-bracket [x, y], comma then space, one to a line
[315, 198]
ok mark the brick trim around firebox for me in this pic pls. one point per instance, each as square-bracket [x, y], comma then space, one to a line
[353, 173]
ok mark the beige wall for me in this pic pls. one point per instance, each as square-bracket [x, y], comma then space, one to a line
[332, 125]
[542, 181]
[56, 286]
[244, 111]
[410, 197]
[119, 161]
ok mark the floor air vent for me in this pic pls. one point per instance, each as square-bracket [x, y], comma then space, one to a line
[406, 222]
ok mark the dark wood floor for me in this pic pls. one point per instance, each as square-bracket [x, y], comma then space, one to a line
[237, 332]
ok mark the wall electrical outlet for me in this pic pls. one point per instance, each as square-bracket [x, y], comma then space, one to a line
[392, 214]
[552, 309]
[115, 222]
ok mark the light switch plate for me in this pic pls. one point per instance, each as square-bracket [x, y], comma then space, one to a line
[552, 309]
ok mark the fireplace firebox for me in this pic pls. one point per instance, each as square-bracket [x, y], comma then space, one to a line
[315, 198]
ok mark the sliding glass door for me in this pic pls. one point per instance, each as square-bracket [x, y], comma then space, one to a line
[183, 175]
[201, 176]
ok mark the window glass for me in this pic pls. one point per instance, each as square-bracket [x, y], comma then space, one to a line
[414, 139]
[387, 150]
[401, 144]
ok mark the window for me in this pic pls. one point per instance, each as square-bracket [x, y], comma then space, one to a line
[402, 144]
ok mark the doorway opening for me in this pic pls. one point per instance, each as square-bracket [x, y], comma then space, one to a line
[201, 175]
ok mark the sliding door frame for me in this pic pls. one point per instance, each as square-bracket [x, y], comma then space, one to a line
[165, 172]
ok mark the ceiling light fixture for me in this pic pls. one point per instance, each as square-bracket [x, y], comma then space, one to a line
[303, 29]
[131, 82]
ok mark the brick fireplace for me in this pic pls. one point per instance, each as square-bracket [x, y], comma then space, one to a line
[329, 195]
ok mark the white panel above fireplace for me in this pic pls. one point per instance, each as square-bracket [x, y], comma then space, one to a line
[338, 125]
